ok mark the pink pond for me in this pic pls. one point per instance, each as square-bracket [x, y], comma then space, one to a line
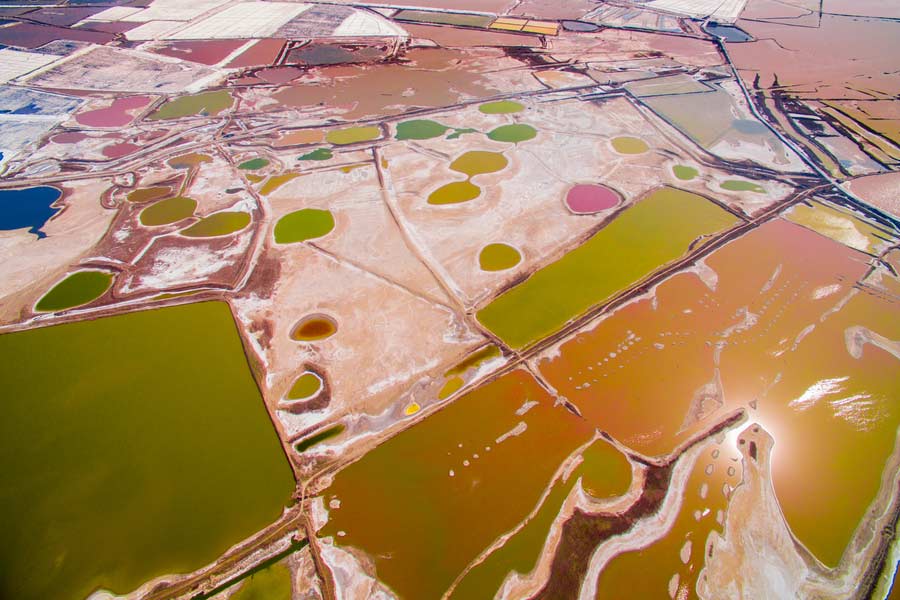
[208, 52]
[119, 150]
[279, 75]
[117, 115]
[588, 198]
[68, 137]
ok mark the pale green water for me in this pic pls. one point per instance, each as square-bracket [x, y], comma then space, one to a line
[641, 239]
[131, 446]
[501, 107]
[737, 185]
[684, 173]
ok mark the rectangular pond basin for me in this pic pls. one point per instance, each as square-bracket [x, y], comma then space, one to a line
[643, 238]
[427, 502]
[773, 322]
[131, 447]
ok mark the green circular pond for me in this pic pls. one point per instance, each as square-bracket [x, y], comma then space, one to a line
[304, 224]
[498, 257]
[168, 211]
[305, 386]
[629, 145]
[479, 162]
[454, 193]
[76, 289]
[420, 129]
[685, 173]
[501, 107]
[513, 133]
[220, 223]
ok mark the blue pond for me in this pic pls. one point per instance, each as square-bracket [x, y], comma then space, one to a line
[29, 207]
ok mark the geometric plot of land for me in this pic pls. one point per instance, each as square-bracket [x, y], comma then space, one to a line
[107, 482]
[721, 124]
[639, 241]
[425, 503]
[122, 69]
[14, 63]
[248, 20]
[769, 333]
[722, 11]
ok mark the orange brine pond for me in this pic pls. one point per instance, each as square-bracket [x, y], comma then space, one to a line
[787, 335]
[453, 483]
[313, 328]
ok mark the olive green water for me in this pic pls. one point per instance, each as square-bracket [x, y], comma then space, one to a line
[420, 129]
[207, 103]
[501, 107]
[272, 583]
[304, 224]
[454, 193]
[684, 173]
[640, 240]
[498, 257]
[78, 288]
[474, 360]
[629, 145]
[148, 194]
[132, 446]
[320, 437]
[479, 162]
[513, 133]
[352, 135]
[168, 211]
[220, 223]
[305, 386]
